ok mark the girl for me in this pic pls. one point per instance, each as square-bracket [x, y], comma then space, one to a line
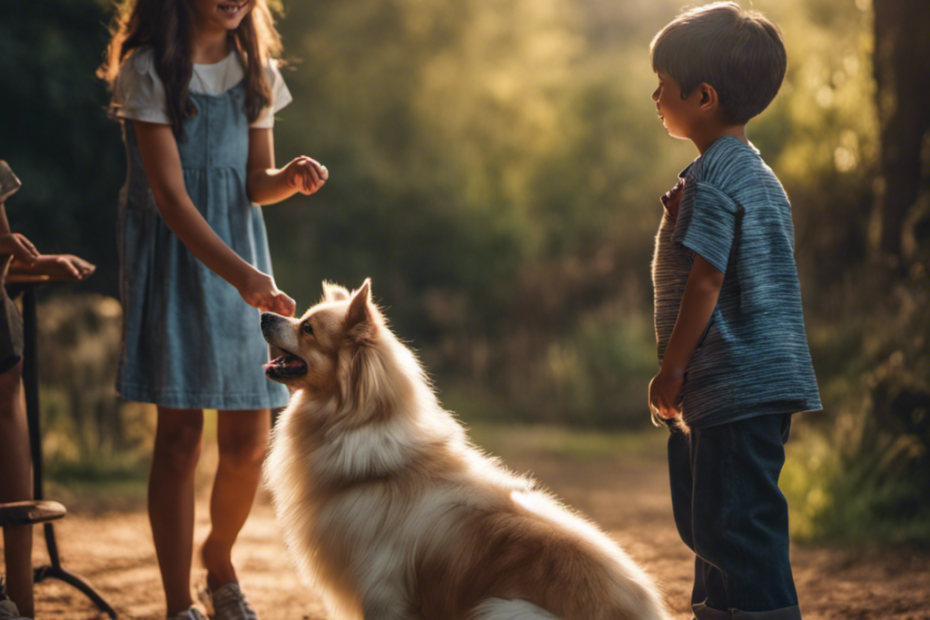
[196, 88]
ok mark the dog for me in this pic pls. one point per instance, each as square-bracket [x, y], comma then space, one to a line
[393, 514]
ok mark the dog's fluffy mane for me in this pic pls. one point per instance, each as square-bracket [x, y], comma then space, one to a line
[380, 383]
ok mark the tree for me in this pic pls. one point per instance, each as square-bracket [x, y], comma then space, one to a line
[902, 76]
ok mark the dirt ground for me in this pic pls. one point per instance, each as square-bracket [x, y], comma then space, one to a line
[108, 543]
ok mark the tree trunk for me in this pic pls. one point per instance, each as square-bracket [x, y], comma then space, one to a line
[902, 76]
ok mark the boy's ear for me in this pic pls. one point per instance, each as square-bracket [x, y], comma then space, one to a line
[360, 318]
[334, 292]
[708, 97]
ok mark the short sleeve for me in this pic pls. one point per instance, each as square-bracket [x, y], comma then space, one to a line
[707, 222]
[280, 97]
[138, 93]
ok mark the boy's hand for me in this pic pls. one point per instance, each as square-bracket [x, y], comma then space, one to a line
[671, 200]
[664, 390]
[62, 267]
[261, 292]
[306, 175]
[20, 247]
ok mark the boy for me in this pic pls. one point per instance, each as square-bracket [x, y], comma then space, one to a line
[735, 363]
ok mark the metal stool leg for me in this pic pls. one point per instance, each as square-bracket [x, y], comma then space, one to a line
[31, 386]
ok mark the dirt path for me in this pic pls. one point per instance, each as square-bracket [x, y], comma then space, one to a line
[626, 495]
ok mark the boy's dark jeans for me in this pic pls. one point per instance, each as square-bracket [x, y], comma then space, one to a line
[731, 513]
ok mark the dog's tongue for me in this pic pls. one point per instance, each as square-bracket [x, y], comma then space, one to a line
[285, 361]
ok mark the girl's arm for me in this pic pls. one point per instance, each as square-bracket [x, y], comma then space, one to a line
[267, 184]
[162, 162]
[697, 306]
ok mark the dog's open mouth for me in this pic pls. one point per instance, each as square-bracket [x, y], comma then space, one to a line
[285, 365]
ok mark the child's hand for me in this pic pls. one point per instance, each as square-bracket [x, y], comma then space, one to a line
[306, 175]
[261, 292]
[671, 200]
[663, 394]
[62, 267]
[20, 247]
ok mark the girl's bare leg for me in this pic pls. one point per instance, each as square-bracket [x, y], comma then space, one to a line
[16, 486]
[171, 500]
[243, 438]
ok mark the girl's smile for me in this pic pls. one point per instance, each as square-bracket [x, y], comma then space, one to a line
[232, 9]
[220, 14]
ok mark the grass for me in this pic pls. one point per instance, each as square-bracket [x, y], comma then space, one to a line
[118, 482]
[553, 440]
[827, 501]
[834, 498]
[100, 485]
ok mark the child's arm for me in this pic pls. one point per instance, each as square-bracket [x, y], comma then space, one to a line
[697, 306]
[12, 244]
[58, 266]
[162, 163]
[16, 245]
[267, 184]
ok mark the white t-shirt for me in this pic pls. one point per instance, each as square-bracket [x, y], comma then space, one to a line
[139, 93]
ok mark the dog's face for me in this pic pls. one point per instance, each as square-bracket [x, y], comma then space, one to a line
[309, 347]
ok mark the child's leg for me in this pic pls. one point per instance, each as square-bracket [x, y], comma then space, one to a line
[171, 500]
[740, 520]
[16, 486]
[243, 438]
[681, 480]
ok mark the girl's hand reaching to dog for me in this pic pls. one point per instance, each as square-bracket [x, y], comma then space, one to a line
[260, 291]
[306, 175]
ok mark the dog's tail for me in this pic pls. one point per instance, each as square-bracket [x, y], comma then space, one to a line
[509, 609]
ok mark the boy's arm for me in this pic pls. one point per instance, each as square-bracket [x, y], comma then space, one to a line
[697, 306]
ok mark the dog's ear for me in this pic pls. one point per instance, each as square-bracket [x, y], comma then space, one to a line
[360, 318]
[334, 292]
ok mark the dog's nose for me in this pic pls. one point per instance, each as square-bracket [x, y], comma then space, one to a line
[267, 319]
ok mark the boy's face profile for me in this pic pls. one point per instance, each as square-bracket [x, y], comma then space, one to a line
[680, 116]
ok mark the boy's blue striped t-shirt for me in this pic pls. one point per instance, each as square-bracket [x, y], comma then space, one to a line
[753, 358]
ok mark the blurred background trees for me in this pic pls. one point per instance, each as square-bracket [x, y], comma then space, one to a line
[495, 168]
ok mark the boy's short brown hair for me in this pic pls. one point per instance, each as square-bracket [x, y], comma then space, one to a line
[740, 53]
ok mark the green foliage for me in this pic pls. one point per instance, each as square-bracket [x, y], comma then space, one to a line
[84, 425]
[55, 133]
[862, 474]
[840, 487]
[495, 168]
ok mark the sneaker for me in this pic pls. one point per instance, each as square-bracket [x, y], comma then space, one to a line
[8, 610]
[228, 603]
[193, 613]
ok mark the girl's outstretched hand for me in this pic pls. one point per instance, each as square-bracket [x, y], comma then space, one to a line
[260, 291]
[305, 174]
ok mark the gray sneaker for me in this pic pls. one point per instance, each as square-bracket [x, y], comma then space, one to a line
[8, 610]
[193, 613]
[229, 603]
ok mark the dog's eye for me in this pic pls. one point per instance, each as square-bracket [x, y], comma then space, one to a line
[307, 327]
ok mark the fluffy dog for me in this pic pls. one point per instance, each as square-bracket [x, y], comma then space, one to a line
[389, 509]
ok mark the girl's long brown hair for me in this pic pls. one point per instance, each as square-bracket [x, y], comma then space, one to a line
[167, 26]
